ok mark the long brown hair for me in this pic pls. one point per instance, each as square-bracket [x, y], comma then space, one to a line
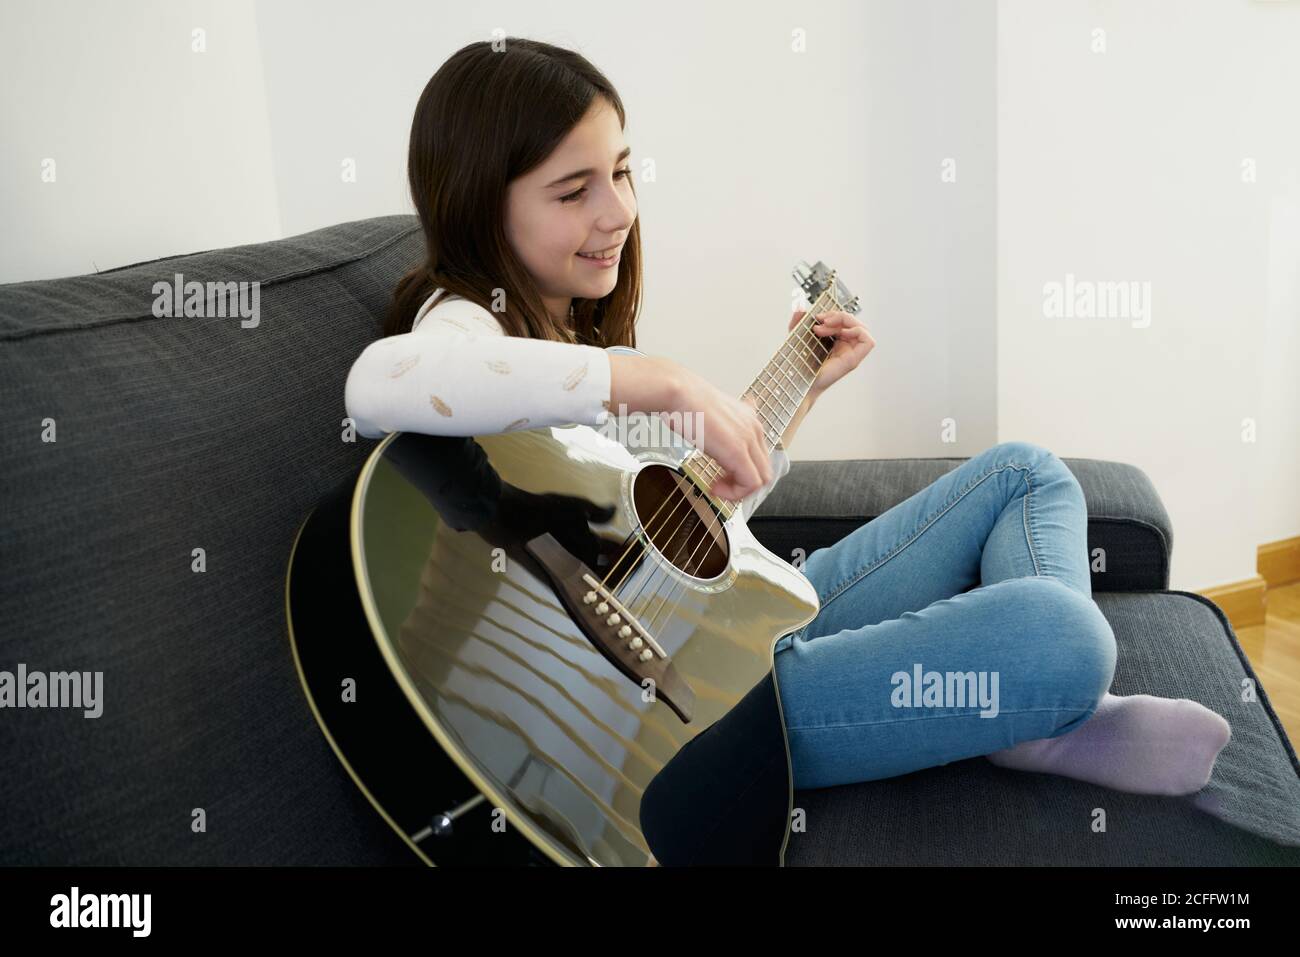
[486, 117]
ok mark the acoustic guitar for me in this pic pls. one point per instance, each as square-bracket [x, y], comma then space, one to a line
[555, 645]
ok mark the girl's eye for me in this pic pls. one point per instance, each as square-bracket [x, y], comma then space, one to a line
[626, 173]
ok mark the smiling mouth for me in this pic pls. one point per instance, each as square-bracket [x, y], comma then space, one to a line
[602, 255]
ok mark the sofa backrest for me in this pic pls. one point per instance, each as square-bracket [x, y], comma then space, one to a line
[172, 434]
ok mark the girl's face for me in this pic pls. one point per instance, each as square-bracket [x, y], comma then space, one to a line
[579, 200]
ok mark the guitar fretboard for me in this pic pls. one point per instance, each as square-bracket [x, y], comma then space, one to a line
[778, 390]
[782, 385]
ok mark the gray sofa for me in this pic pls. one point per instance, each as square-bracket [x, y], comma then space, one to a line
[175, 434]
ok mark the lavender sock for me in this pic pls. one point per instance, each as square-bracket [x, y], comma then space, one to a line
[1138, 743]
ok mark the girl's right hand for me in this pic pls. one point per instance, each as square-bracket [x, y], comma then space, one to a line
[728, 429]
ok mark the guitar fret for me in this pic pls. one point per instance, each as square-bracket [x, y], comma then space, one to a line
[759, 410]
[805, 361]
[780, 386]
[777, 392]
[818, 359]
[783, 417]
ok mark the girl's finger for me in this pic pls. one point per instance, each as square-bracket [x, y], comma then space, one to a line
[840, 333]
[840, 320]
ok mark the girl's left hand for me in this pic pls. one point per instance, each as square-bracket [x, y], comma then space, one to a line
[852, 343]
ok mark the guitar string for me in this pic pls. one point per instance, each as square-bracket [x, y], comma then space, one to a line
[711, 470]
[800, 340]
[709, 531]
[675, 591]
[709, 465]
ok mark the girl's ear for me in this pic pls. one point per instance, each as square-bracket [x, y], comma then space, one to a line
[798, 314]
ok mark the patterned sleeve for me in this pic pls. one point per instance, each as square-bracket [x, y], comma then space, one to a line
[458, 373]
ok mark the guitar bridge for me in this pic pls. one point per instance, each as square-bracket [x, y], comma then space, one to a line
[610, 627]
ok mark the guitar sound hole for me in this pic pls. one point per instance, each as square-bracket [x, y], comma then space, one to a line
[681, 521]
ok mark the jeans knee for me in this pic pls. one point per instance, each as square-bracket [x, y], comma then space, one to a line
[1076, 628]
[1098, 654]
[1046, 464]
[1091, 638]
[1022, 453]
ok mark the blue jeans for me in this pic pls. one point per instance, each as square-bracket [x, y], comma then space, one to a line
[958, 623]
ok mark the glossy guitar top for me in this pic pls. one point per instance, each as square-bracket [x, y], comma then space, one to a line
[528, 696]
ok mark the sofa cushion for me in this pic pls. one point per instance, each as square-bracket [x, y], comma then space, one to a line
[818, 503]
[1172, 644]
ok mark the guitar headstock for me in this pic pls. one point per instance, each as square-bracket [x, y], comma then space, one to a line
[820, 282]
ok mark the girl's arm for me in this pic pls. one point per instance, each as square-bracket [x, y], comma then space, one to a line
[449, 378]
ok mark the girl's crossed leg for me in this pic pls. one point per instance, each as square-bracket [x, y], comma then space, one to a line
[958, 623]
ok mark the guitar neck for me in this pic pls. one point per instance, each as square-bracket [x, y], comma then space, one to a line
[777, 391]
[781, 386]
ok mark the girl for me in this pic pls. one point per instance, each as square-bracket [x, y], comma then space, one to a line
[520, 175]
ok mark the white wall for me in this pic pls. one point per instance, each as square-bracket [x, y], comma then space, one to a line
[1119, 165]
[1127, 165]
[156, 149]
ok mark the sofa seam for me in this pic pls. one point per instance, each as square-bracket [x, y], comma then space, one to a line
[272, 281]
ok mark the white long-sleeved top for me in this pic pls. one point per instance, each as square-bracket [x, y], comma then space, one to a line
[458, 373]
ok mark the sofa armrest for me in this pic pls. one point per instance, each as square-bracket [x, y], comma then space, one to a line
[819, 502]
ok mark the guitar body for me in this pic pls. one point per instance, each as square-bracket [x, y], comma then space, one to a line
[438, 620]
[555, 645]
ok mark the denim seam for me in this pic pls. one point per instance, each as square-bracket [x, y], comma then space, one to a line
[931, 717]
[1027, 513]
[872, 566]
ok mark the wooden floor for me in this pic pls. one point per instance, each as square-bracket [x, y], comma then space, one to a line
[1274, 652]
